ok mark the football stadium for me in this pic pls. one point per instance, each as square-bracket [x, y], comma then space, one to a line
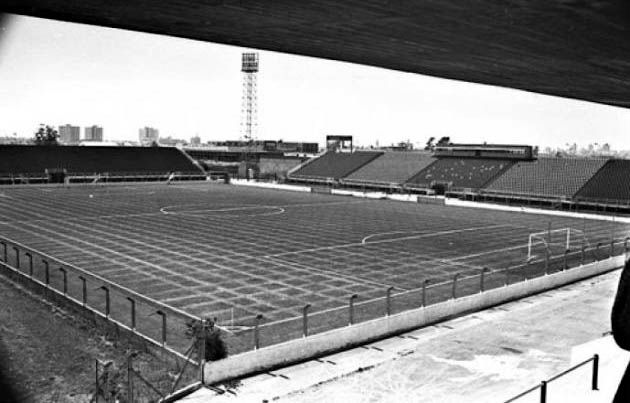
[260, 270]
[150, 252]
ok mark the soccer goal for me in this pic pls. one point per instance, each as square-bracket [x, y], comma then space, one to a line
[224, 319]
[555, 242]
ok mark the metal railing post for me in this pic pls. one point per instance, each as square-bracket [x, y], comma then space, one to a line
[454, 290]
[305, 320]
[594, 379]
[547, 261]
[30, 264]
[388, 301]
[202, 336]
[257, 332]
[64, 274]
[133, 313]
[163, 315]
[482, 283]
[599, 244]
[351, 308]
[17, 257]
[424, 292]
[543, 392]
[5, 253]
[46, 273]
[83, 290]
[107, 304]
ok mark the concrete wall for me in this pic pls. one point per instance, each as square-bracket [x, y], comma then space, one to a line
[360, 333]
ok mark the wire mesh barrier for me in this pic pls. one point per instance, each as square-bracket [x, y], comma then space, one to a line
[544, 384]
[150, 321]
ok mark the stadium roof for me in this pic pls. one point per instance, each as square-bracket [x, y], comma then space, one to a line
[571, 48]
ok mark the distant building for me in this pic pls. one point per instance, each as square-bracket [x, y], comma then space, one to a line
[169, 141]
[148, 135]
[15, 139]
[69, 134]
[195, 141]
[93, 133]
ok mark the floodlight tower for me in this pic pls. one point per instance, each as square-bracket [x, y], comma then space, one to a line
[249, 101]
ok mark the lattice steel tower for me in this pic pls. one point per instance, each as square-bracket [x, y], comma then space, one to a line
[249, 108]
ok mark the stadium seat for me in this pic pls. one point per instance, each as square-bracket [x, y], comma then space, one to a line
[393, 167]
[334, 165]
[547, 176]
[35, 160]
[611, 182]
[471, 173]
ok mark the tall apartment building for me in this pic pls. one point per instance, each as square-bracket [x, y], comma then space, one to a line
[69, 134]
[93, 133]
[148, 135]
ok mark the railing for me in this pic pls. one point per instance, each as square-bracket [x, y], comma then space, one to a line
[254, 333]
[167, 328]
[543, 384]
[151, 321]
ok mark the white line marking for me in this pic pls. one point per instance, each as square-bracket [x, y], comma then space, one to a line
[405, 238]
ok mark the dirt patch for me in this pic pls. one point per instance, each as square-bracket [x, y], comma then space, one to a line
[49, 355]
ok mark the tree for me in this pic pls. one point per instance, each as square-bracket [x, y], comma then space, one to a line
[46, 136]
[429, 146]
[444, 141]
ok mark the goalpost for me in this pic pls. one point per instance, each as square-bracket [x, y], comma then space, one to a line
[555, 241]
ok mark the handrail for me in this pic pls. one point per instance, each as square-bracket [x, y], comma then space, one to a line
[543, 384]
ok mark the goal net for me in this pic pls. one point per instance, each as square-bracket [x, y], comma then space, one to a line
[555, 242]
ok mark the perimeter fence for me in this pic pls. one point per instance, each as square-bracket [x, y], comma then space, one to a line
[131, 314]
[169, 329]
[255, 333]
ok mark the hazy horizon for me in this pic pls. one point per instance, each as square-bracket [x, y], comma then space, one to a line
[56, 73]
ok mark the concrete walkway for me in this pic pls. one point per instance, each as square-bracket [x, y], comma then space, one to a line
[488, 356]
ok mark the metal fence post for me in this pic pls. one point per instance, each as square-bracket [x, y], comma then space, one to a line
[388, 300]
[17, 257]
[202, 336]
[305, 320]
[482, 284]
[133, 313]
[64, 274]
[351, 308]
[83, 290]
[129, 377]
[594, 385]
[46, 273]
[599, 244]
[107, 305]
[30, 264]
[257, 332]
[424, 292]
[547, 261]
[543, 392]
[163, 315]
[6, 259]
[454, 290]
[96, 385]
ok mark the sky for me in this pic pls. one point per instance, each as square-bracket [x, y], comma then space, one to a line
[56, 73]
